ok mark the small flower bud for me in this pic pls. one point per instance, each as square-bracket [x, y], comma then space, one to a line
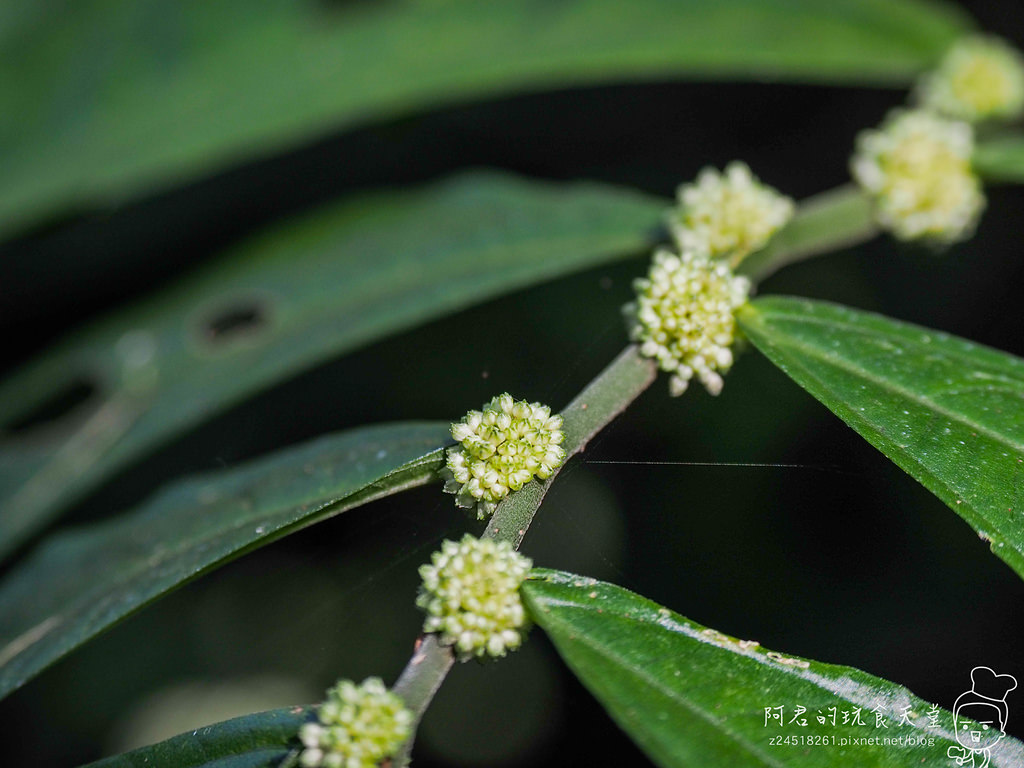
[683, 317]
[470, 593]
[980, 78]
[730, 214]
[917, 169]
[359, 726]
[502, 448]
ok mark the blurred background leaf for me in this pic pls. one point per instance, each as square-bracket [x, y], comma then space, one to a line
[803, 553]
[103, 100]
[287, 299]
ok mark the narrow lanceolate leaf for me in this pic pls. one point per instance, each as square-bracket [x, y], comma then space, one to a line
[261, 740]
[1001, 159]
[949, 412]
[689, 695]
[104, 100]
[293, 297]
[83, 581]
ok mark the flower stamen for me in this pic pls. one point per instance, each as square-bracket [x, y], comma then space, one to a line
[683, 317]
[470, 592]
[501, 449]
[357, 726]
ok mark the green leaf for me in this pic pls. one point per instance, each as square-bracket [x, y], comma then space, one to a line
[949, 412]
[101, 101]
[261, 740]
[286, 300]
[689, 695]
[81, 582]
[1000, 159]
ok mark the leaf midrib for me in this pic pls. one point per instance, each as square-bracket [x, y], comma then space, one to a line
[314, 510]
[119, 580]
[740, 740]
[890, 386]
[959, 355]
[977, 516]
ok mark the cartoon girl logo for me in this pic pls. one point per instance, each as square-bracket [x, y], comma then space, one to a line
[979, 716]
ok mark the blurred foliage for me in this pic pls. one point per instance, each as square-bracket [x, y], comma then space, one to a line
[108, 99]
[281, 302]
[834, 554]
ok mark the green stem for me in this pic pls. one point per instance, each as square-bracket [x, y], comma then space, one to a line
[419, 681]
[841, 217]
[835, 219]
[1000, 159]
[592, 410]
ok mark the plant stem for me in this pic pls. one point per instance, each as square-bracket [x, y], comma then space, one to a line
[604, 398]
[419, 681]
[592, 410]
[831, 220]
[835, 219]
[1000, 159]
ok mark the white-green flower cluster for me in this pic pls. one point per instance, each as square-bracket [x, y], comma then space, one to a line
[730, 214]
[980, 78]
[917, 169]
[470, 593]
[683, 316]
[501, 449]
[359, 726]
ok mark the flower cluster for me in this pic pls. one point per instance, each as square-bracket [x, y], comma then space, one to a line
[683, 316]
[470, 593]
[501, 449]
[917, 169]
[359, 726]
[980, 78]
[730, 214]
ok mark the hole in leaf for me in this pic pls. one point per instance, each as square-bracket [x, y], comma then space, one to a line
[54, 407]
[234, 321]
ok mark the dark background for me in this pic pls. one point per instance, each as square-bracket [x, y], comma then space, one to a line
[844, 559]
